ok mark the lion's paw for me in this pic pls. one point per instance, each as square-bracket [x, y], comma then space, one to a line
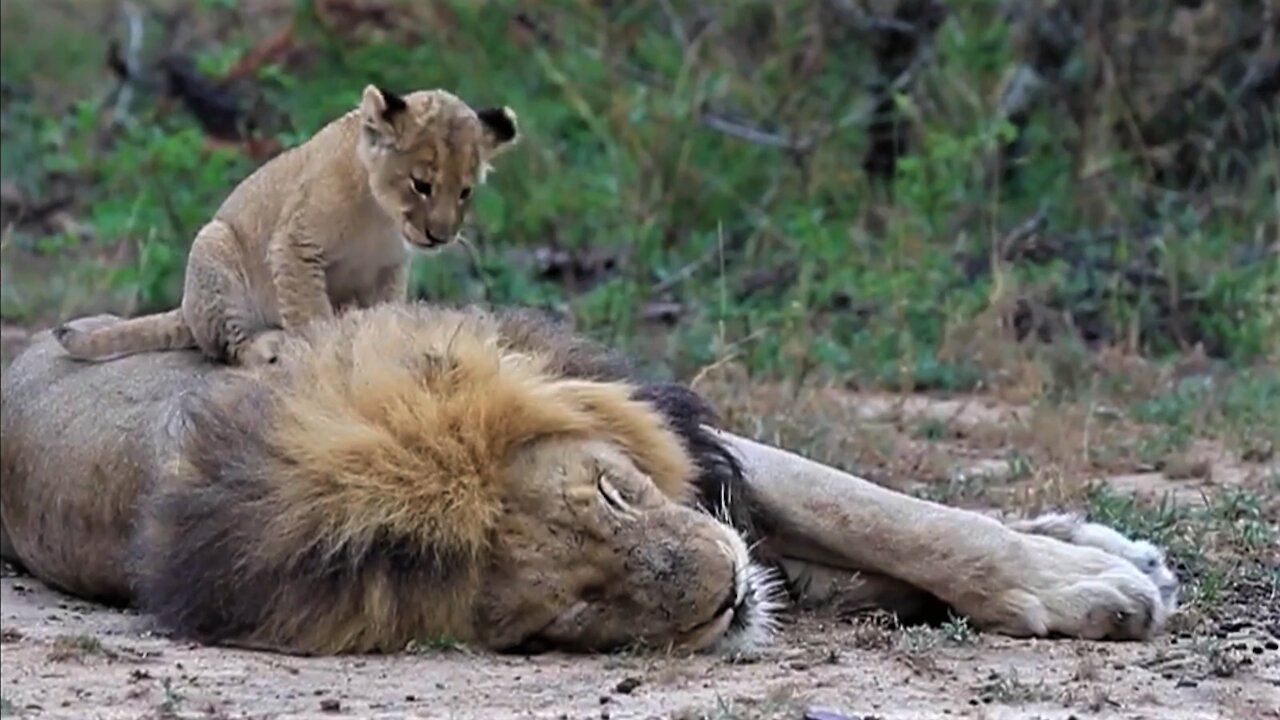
[1080, 590]
[1074, 529]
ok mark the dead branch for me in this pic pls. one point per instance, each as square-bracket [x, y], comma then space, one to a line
[756, 135]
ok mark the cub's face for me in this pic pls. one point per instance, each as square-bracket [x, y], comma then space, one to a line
[425, 154]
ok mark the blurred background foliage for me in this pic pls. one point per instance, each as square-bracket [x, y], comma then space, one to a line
[895, 193]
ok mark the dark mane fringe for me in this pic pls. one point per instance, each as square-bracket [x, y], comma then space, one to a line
[195, 558]
[191, 537]
[722, 488]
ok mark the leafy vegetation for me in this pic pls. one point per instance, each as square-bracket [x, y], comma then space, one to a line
[717, 170]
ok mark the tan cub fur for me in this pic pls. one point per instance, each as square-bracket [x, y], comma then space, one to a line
[325, 225]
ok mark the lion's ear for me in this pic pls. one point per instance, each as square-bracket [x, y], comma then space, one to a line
[382, 111]
[502, 129]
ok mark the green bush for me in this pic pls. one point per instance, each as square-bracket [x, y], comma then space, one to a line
[724, 169]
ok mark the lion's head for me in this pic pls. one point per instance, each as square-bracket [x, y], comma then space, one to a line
[407, 473]
[425, 152]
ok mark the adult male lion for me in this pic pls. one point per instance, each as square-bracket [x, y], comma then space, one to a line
[408, 471]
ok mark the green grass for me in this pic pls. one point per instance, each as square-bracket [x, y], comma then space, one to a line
[1244, 408]
[795, 262]
[1220, 550]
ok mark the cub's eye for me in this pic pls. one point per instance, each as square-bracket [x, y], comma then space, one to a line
[421, 187]
[466, 193]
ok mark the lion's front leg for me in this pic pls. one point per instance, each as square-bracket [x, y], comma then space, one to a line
[1018, 583]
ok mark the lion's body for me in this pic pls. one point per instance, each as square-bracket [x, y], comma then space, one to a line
[77, 498]
[407, 472]
[322, 226]
[345, 499]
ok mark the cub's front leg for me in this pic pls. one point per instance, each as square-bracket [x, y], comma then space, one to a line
[393, 285]
[297, 261]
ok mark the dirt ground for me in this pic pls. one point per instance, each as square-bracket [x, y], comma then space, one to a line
[64, 658]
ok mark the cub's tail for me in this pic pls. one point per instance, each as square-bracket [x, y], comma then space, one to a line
[163, 331]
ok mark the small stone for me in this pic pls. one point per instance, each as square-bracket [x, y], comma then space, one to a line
[330, 705]
[627, 686]
[1186, 683]
[821, 714]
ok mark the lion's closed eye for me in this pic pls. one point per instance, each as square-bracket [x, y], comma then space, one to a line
[613, 499]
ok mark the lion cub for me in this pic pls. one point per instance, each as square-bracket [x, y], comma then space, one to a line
[321, 226]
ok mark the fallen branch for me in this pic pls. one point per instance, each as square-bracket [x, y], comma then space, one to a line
[755, 135]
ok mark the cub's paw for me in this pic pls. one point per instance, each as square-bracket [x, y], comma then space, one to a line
[1081, 591]
[263, 349]
[1074, 529]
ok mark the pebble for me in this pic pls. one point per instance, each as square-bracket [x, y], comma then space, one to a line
[627, 686]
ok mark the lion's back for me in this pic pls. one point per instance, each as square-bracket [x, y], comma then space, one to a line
[78, 442]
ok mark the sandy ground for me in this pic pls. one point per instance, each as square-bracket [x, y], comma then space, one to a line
[64, 658]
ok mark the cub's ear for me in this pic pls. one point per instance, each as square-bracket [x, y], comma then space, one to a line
[502, 129]
[381, 111]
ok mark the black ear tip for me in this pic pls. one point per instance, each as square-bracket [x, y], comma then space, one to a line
[501, 121]
[394, 103]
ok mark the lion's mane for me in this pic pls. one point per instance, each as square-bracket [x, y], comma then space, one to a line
[343, 501]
